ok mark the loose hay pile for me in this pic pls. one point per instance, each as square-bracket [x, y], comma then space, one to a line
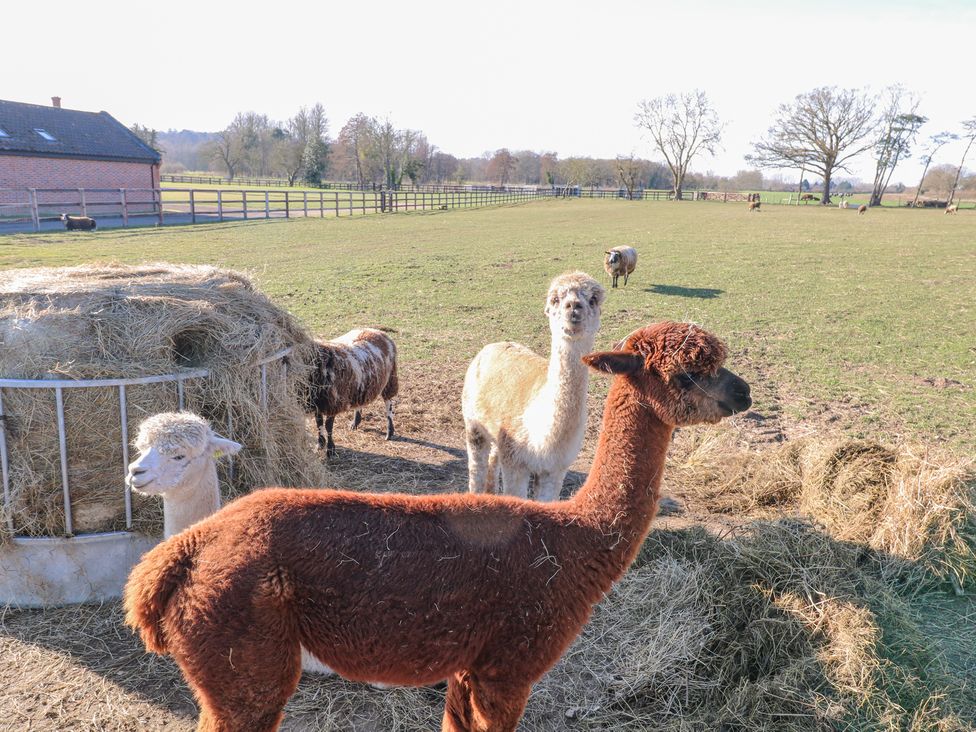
[915, 505]
[111, 321]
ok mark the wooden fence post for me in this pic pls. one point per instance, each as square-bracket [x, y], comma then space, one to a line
[267, 206]
[193, 208]
[244, 203]
[220, 205]
[35, 216]
[81, 197]
[305, 202]
[158, 194]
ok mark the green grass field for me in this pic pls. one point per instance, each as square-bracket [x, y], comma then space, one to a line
[867, 321]
[845, 326]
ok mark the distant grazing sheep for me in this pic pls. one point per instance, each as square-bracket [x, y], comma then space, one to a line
[809, 197]
[862, 209]
[351, 371]
[952, 209]
[620, 261]
[83, 223]
[842, 204]
[754, 206]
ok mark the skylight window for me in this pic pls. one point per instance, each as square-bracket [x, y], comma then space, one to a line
[45, 134]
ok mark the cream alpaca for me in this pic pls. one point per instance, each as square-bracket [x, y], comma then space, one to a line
[525, 413]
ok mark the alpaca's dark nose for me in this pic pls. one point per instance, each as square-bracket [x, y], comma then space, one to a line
[741, 394]
[137, 471]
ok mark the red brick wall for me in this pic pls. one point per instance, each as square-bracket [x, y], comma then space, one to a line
[22, 172]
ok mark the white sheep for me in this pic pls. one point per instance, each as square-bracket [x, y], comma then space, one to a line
[620, 261]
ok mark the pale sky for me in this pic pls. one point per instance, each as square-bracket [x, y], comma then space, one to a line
[474, 77]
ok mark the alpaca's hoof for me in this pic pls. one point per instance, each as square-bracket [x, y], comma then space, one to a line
[356, 419]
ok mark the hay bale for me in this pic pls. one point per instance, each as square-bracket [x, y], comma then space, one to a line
[110, 320]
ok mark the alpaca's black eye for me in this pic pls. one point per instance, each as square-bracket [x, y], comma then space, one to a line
[684, 380]
[179, 457]
[594, 301]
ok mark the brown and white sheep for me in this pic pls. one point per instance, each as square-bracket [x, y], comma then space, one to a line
[486, 591]
[862, 209]
[82, 223]
[951, 209]
[753, 206]
[620, 261]
[350, 372]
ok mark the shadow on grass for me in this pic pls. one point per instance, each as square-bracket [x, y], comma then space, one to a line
[704, 293]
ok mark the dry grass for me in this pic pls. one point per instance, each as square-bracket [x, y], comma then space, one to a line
[915, 505]
[103, 321]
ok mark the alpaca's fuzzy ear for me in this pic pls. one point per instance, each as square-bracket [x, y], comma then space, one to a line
[220, 446]
[615, 362]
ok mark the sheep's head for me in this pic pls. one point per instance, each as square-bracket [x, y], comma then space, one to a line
[677, 371]
[613, 256]
[573, 306]
[175, 449]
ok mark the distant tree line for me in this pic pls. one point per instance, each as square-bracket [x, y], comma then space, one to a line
[818, 134]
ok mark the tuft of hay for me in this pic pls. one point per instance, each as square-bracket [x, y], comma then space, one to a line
[109, 320]
[914, 505]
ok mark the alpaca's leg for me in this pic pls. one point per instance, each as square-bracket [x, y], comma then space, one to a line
[626, 277]
[479, 705]
[615, 280]
[357, 417]
[515, 479]
[330, 448]
[493, 479]
[318, 429]
[478, 446]
[252, 697]
[389, 419]
[548, 486]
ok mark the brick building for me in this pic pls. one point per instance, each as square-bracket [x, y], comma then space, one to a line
[50, 147]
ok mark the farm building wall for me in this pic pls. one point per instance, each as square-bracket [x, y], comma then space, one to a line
[22, 171]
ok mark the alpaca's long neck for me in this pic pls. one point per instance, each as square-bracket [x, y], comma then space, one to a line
[619, 498]
[566, 379]
[188, 504]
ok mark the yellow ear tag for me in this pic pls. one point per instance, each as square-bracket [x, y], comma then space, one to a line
[218, 453]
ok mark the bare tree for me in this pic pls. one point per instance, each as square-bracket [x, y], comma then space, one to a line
[899, 125]
[820, 131]
[629, 173]
[681, 126]
[970, 134]
[936, 141]
[501, 166]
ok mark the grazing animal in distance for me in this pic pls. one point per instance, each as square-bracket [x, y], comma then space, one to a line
[620, 261]
[350, 372]
[81, 223]
[487, 591]
[951, 209]
[753, 206]
[862, 209]
[525, 414]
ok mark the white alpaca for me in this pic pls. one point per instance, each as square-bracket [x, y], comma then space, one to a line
[178, 460]
[525, 413]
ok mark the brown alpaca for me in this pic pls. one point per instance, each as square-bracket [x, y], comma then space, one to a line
[862, 209]
[484, 590]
